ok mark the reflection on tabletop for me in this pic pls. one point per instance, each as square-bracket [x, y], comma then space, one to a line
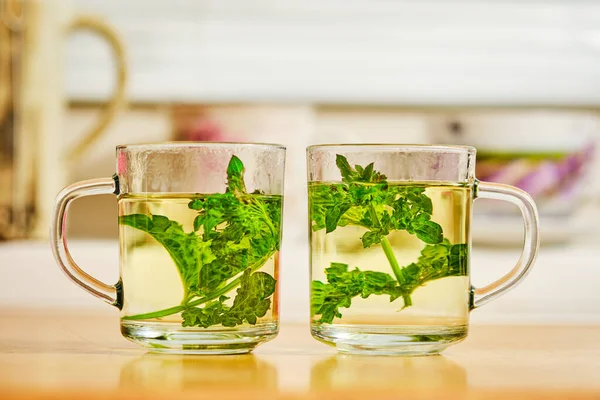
[198, 372]
[253, 372]
[420, 374]
[82, 356]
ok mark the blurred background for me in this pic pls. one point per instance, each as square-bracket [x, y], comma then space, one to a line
[520, 80]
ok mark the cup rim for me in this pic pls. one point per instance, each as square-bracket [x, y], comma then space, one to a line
[447, 148]
[186, 144]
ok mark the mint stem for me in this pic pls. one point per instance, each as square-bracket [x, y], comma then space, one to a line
[389, 253]
[156, 314]
[226, 289]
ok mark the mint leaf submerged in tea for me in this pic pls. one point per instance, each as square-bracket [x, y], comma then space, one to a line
[366, 199]
[251, 302]
[187, 250]
[234, 234]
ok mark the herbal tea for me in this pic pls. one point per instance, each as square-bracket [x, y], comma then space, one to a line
[388, 257]
[204, 262]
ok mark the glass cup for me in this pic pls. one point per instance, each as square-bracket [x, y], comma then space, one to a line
[390, 244]
[199, 234]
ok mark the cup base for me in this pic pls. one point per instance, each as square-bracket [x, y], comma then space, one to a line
[175, 339]
[389, 340]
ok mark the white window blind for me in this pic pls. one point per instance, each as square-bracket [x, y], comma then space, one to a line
[347, 51]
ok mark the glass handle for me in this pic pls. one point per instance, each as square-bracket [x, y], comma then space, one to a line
[58, 238]
[523, 200]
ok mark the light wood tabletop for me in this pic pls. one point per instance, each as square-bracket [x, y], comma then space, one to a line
[72, 355]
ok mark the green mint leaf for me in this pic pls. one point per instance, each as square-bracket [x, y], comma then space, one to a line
[251, 302]
[346, 170]
[187, 250]
[196, 204]
[370, 238]
[428, 231]
[373, 217]
[209, 315]
[333, 215]
[358, 173]
[325, 302]
[343, 285]
[335, 270]
[198, 222]
[377, 283]
[235, 176]
[367, 174]
[212, 212]
[322, 200]
[426, 204]
[458, 259]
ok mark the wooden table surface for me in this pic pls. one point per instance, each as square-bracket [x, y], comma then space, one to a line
[73, 355]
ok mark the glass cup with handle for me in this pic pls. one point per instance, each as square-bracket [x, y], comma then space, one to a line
[199, 232]
[390, 245]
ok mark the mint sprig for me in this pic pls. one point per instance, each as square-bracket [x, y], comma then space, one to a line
[436, 262]
[234, 235]
[365, 199]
